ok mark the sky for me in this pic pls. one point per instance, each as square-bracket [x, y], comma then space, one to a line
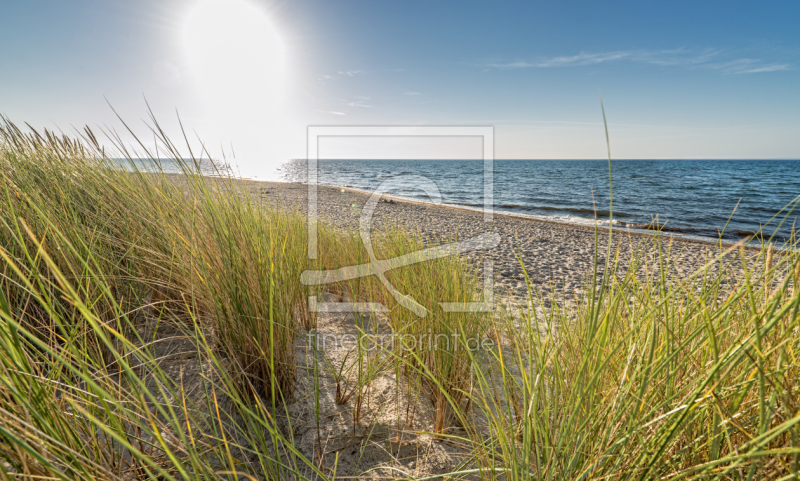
[246, 77]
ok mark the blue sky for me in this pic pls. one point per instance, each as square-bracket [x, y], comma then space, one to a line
[679, 79]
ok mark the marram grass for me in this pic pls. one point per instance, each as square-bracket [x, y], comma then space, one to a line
[648, 376]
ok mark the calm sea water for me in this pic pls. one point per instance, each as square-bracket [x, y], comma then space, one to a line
[692, 198]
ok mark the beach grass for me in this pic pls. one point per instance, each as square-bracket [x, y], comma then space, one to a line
[690, 379]
[650, 375]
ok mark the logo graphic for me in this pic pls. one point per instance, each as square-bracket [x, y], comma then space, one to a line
[378, 267]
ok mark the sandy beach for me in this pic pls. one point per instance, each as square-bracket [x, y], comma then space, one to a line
[556, 256]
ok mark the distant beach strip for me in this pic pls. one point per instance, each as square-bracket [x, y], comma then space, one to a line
[555, 254]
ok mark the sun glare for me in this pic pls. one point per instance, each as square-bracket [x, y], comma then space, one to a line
[236, 56]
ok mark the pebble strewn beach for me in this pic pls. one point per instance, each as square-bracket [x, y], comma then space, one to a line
[554, 254]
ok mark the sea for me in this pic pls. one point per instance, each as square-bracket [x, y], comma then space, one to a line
[712, 200]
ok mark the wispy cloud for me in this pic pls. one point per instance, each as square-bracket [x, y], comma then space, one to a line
[568, 61]
[716, 59]
[351, 73]
[331, 112]
[769, 68]
[324, 78]
[359, 102]
[409, 92]
[748, 65]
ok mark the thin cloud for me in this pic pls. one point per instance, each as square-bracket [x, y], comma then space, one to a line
[735, 66]
[707, 58]
[677, 57]
[359, 102]
[332, 112]
[411, 93]
[341, 73]
[570, 61]
[351, 73]
[768, 68]
[658, 57]
[748, 65]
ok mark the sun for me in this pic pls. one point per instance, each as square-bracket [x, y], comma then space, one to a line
[236, 56]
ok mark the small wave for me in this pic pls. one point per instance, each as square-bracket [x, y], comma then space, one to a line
[680, 230]
[574, 210]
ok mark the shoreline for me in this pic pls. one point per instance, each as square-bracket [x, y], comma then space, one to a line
[617, 227]
[558, 258]
[627, 229]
